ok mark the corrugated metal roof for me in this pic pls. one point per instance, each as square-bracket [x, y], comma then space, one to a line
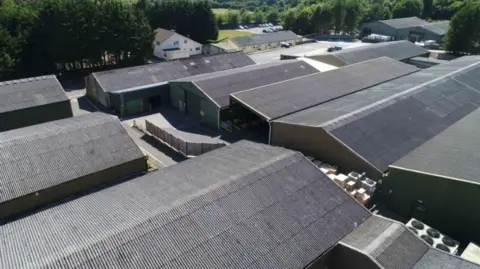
[125, 78]
[439, 28]
[279, 99]
[41, 156]
[246, 205]
[385, 132]
[404, 22]
[452, 153]
[264, 38]
[30, 92]
[346, 107]
[395, 247]
[397, 50]
[219, 86]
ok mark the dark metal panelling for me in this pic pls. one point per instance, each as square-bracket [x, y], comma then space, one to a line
[435, 259]
[42, 156]
[30, 92]
[279, 99]
[35, 115]
[386, 135]
[142, 76]
[220, 88]
[244, 205]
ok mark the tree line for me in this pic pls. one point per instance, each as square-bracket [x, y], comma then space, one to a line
[62, 36]
[234, 18]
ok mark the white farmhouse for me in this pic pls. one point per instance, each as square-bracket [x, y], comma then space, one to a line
[169, 45]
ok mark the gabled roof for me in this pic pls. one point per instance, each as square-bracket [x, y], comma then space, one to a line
[162, 34]
[404, 22]
[246, 205]
[397, 50]
[394, 246]
[453, 153]
[219, 85]
[439, 28]
[156, 74]
[264, 38]
[41, 156]
[30, 92]
[280, 99]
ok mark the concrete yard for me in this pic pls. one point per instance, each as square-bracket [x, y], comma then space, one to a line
[308, 49]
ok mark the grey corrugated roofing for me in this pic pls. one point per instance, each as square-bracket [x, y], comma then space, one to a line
[30, 92]
[220, 86]
[384, 132]
[395, 247]
[336, 110]
[439, 28]
[125, 78]
[398, 50]
[264, 38]
[246, 205]
[45, 155]
[404, 22]
[452, 153]
[279, 99]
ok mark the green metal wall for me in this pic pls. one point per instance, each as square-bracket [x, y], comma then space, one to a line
[197, 104]
[452, 205]
[137, 101]
[35, 115]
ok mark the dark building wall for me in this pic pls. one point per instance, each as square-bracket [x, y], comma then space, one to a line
[316, 142]
[451, 205]
[138, 101]
[343, 257]
[96, 92]
[197, 104]
[54, 194]
[379, 28]
[35, 115]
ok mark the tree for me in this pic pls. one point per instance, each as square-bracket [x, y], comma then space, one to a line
[407, 8]
[427, 8]
[353, 12]
[7, 57]
[322, 18]
[259, 17]
[464, 33]
[303, 21]
[338, 11]
[273, 15]
[233, 18]
[246, 18]
[289, 19]
[220, 19]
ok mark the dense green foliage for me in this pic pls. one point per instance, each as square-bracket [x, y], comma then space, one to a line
[407, 8]
[61, 36]
[464, 33]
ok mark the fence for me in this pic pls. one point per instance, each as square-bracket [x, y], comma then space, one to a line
[187, 148]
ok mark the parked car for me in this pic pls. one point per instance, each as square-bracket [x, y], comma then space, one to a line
[334, 48]
[246, 27]
[285, 45]
[240, 27]
[269, 24]
[264, 31]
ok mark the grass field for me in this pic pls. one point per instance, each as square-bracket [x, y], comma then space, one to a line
[220, 10]
[222, 34]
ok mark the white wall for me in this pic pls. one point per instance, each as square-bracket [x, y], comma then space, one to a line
[177, 41]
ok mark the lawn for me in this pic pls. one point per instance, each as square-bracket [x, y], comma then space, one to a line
[220, 10]
[222, 34]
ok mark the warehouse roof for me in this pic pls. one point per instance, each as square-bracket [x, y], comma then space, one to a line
[264, 38]
[404, 22]
[397, 50]
[383, 133]
[439, 28]
[218, 86]
[338, 109]
[452, 153]
[37, 157]
[246, 205]
[280, 99]
[30, 92]
[393, 246]
[150, 74]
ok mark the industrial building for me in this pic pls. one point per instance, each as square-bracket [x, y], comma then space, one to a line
[246, 205]
[48, 162]
[207, 97]
[266, 41]
[268, 103]
[397, 50]
[412, 28]
[369, 130]
[144, 88]
[32, 101]
[439, 181]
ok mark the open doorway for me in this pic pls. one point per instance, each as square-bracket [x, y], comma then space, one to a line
[155, 102]
[238, 122]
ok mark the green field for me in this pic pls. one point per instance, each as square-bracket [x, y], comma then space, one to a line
[220, 10]
[222, 34]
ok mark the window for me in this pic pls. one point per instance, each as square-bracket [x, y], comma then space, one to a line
[175, 42]
[185, 41]
[197, 48]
